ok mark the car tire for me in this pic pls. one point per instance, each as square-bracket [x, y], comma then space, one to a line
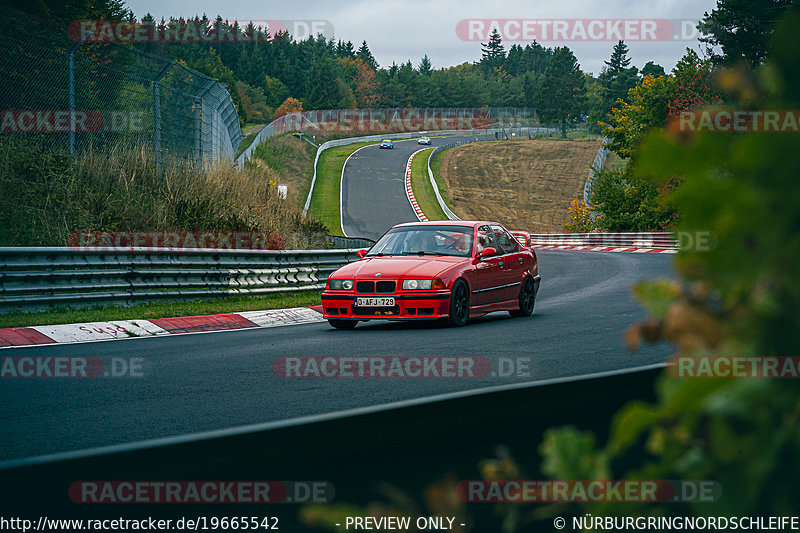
[342, 324]
[459, 303]
[527, 299]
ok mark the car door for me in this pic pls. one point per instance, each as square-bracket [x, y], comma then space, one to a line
[488, 271]
[512, 263]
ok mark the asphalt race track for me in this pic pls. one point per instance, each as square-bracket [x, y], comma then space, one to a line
[373, 187]
[221, 380]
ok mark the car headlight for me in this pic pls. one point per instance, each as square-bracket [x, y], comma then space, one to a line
[341, 284]
[422, 284]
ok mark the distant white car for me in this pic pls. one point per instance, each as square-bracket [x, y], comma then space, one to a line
[424, 140]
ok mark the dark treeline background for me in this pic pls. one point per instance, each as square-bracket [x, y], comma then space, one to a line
[271, 77]
[320, 73]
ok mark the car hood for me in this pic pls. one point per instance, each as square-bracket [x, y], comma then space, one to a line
[393, 267]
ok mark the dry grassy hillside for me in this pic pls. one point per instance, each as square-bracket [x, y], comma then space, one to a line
[525, 185]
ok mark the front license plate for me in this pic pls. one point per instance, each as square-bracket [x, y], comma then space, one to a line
[375, 302]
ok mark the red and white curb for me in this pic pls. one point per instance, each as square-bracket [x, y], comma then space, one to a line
[606, 249]
[410, 193]
[128, 329]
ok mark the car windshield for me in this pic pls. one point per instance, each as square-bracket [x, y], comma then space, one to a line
[425, 240]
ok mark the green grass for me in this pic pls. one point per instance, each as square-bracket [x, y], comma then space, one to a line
[325, 200]
[436, 162]
[246, 141]
[229, 304]
[421, 185]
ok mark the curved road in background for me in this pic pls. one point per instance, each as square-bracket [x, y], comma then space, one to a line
[373, 197]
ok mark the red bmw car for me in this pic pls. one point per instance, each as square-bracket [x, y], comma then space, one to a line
[454, 270]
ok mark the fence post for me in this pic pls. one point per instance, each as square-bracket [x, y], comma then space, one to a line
[198, 121]
[71, 93]
[157, 113]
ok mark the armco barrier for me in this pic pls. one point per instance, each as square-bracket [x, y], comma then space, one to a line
[664, 240]
[39, 278]
[598, 164]
[349, 243]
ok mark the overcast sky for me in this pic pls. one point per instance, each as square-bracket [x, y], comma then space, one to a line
[398, 30]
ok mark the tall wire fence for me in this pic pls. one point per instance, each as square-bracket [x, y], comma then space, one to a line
[325, 125]
[75, 94]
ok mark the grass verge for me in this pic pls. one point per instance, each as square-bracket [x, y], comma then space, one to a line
[229, 304]
[423, 190]
[287, 160]
[436, 163]
[325, 201]
[46, 195]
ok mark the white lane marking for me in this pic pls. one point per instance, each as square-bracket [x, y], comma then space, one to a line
[282, 317]
[94, 331]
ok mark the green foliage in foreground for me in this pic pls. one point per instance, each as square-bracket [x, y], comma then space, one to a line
[745, 300]
[624, 201]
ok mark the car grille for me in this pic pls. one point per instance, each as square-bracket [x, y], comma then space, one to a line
[384, 287]
[370, 287]
[365, 287]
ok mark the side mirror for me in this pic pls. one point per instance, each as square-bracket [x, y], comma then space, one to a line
[361, 254]
[487, 252]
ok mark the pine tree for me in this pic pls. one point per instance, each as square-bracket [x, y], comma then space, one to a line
[425, 67]
[562, 94]
[493, 54]
[741, 29]
[366, 56]
[616, 79]
[619, 60]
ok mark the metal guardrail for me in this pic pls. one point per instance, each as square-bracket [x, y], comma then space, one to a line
[598, 164]
[349, 243]
[408, 119]
[38, 278]
[644, 239]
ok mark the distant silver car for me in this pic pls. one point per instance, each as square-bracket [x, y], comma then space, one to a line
[424, 140]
